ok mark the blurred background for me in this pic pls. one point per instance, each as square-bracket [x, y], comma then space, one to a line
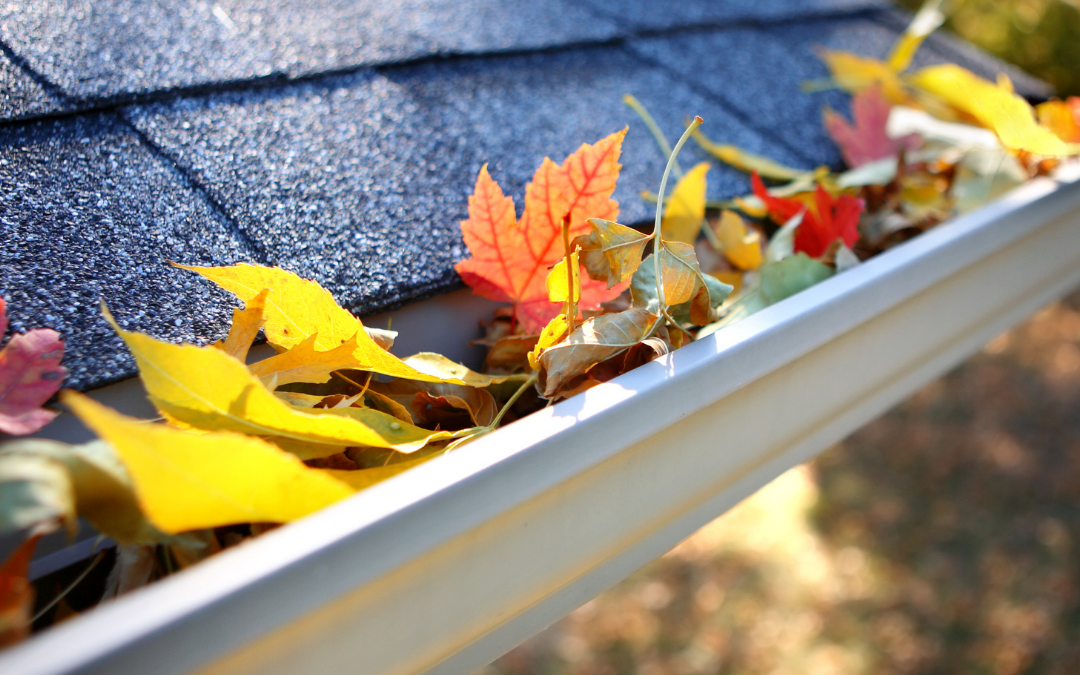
[942, 538]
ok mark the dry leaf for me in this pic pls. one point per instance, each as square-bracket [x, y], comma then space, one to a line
[611, 252]
[596, 340]
[741, 246]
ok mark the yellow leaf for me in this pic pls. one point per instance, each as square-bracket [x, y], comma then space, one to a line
[740, 246]
[747, 161]
[186, 481]
[733, 279]
[208, 389]
[679, 271]
[365, 478]
[245, 326]
[303, 364]
[685, 208]
[925, 22]
[1008, 115]
[443, 368]
[855, 73]
[557, 280]
[296, 309]
[555, 329]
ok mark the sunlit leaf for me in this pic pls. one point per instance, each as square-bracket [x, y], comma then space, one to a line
[611, 252]
[295, 309]
[558, 280]
[594, 341]
[302, 363]
[210, 390]
[997, 107]
[551, 334]
[510, 258]
[748, 161]
[190, 481]
[741, 246]
[245, 326]
[685, 208]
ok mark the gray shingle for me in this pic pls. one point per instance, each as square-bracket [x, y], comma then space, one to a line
[649, 15]
[87, 213]
[361, 180]
[22, 96]
[759, 73]
[103, 49]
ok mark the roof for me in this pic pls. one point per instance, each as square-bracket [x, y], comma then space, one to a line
[340, 138]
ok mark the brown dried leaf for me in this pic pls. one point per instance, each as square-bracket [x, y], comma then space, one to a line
[594, 341]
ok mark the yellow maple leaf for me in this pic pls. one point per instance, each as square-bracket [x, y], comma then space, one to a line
[210, 390]
[296, 309]
[190, 481]
[551, 334]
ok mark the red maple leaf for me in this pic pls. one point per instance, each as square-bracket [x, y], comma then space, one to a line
[30, 373]
[827, 218]
[866, 140]
[511, 258]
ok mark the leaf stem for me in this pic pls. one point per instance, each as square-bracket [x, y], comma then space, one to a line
[512, 400]
[658, 243]
[571, 310]
[89, 568]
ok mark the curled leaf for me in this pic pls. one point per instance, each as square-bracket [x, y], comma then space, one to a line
[707, 294]
[443, 368]
[611, 252]
[596, 340]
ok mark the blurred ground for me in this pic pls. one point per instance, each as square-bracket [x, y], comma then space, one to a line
[942, 538]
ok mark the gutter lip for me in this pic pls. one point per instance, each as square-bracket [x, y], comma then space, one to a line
[304, 564]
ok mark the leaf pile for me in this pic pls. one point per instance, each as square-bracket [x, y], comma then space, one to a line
[241, 447]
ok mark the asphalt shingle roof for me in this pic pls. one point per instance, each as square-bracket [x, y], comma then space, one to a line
[332, 137]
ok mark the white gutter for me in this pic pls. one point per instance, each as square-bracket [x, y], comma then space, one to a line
[447, 566]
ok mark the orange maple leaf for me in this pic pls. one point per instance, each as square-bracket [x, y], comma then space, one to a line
[511, 258]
